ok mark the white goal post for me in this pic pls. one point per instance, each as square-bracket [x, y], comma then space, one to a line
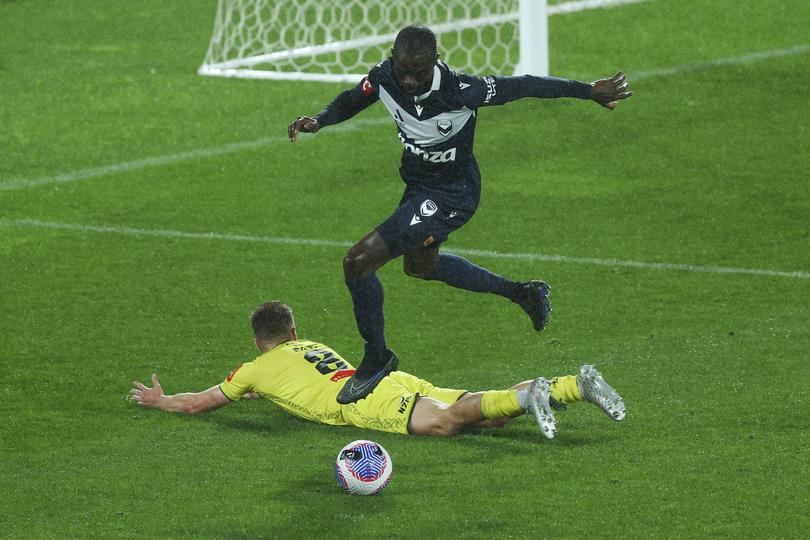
[336, 41]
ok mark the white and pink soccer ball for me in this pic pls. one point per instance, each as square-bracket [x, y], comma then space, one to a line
[363, 468]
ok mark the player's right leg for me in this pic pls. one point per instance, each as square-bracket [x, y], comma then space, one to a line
[540, 406]
[359, 267]
[433, 417]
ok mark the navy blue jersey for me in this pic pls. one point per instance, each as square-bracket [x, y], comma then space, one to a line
[437, 128]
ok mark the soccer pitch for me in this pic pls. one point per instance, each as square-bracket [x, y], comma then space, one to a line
[144, 211]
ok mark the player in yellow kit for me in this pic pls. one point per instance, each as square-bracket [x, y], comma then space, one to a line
[303, 377]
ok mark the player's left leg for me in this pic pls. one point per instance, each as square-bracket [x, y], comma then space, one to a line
[427, 263]
[587, 385]
[593, 387]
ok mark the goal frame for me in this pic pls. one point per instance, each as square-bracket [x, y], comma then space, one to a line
[531, 17]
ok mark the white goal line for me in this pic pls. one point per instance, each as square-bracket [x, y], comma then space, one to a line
[591, 261]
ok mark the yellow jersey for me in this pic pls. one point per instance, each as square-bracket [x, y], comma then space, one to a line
[301, 376]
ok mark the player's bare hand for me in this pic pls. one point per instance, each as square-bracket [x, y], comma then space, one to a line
[606, 92]
[143, 395]
[302, 124]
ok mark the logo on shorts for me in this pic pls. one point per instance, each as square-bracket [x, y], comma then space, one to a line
[403, 403]
[428, 208]
[445, 127]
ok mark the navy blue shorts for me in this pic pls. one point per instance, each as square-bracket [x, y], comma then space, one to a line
[424, 219]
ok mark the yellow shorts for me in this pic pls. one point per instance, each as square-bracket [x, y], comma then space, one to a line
[390, 405]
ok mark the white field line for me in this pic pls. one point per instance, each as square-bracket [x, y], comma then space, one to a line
[155, 161]
[734, 61]
[582, 5]
[590, 261]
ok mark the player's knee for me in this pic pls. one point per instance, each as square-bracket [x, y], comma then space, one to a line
[442, 429]
[449, 430]
[417, 269]
[449, 423]
[412, 270]
[353, 265]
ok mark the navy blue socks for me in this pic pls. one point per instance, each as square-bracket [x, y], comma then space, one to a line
[367, 296]
[459, 272]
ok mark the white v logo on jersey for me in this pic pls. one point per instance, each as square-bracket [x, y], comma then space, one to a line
[415, 220]
[418, 110]
[462, 85]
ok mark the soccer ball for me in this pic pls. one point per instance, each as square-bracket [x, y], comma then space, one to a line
[363, 468]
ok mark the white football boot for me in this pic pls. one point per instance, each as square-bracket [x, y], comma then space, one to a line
[594, 389]
[539, 394]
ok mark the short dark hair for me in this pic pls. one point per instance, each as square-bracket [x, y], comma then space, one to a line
[415, 41]
[271, 321]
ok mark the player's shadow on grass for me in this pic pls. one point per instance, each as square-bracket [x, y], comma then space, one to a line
[490, 439]
[259, 419]
[493, 438]
[259, 422]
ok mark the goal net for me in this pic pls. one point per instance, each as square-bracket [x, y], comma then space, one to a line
[340, 41]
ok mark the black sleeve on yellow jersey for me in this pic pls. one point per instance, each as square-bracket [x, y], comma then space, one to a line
[484, 91]
[348, 103]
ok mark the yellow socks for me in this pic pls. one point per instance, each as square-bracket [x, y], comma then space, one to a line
[564, 390]
[500, 404]
[506, 403]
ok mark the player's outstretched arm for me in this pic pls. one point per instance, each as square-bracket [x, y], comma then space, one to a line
[302, 124]
[606, 92]
[346, 105]
[186, 403]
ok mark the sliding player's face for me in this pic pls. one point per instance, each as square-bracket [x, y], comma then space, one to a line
[414, 74]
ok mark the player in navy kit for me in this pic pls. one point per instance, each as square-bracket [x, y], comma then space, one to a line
[435, 110]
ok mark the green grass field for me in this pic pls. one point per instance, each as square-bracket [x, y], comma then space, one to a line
[115, 163]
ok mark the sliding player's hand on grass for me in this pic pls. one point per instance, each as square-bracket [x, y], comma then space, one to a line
[606, 92]
[302, 124]
[143, 395]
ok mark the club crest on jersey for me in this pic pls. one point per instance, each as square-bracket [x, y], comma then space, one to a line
[366, 87]
[445, 127]
[428, 208]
